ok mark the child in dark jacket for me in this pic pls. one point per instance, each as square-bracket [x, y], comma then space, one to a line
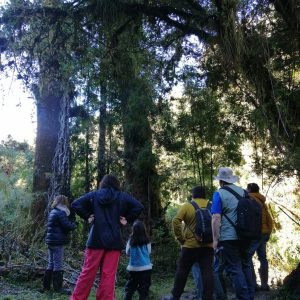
[108, 209]
[139, 269]
[58, 227]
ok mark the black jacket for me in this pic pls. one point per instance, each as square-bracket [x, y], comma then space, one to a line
[107, 205]
[58, 227]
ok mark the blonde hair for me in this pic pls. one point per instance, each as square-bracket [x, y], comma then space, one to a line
[60, 199]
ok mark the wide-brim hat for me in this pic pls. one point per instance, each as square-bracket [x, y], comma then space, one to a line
[226, 174]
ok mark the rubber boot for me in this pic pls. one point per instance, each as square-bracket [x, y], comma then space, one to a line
[264, 276]
[47, 279]
[58, 277]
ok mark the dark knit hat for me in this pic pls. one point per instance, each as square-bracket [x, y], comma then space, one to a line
[198, 192]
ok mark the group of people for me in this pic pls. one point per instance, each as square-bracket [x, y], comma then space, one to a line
[108, 209]
[227, 253]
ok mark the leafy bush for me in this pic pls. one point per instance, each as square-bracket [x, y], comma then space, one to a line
[15, 197]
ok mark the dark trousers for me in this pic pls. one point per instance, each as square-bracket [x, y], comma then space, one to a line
[138, 281]
[235, 255]
[188, 256]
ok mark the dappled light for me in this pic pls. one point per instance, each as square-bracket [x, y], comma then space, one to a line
[118, 111]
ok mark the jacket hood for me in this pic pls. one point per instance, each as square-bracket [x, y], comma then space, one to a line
[106, 196]
[258, 196]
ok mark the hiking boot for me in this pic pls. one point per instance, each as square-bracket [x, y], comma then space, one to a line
[47, 279]
[264, 276]
[58, 277]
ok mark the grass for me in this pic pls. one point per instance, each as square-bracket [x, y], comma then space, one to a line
[161, 285]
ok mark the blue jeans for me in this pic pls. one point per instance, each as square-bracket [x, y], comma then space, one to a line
[196, 272]
[235, 255]
[260, 247]
[55, 258]
[219, 267]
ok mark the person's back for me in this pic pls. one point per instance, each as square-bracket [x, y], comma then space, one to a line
[192, 250]
[107, 205]
[108, 208]
[234, 252]
[229, 207]
[57, 236]
[260, 245]
[138, 248]
[267, 221]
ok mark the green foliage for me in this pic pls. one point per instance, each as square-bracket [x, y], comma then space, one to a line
[241, 81]
[16, 164]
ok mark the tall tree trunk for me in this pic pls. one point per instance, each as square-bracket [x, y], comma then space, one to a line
[101, 166]
[140, 163]
[48, 125]
[87, 176]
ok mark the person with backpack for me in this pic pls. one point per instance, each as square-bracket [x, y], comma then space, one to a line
[58, 227]
[108, 209]
[139, 268]
[193, 247]
[225, 233]
[260, 245]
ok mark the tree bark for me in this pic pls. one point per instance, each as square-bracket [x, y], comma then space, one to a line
[101, 166]
[140, 169]
[48, 125]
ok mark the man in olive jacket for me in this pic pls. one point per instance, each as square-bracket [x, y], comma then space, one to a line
[192, 250]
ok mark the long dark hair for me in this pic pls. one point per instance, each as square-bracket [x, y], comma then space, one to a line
[139, 235]
[110, 181]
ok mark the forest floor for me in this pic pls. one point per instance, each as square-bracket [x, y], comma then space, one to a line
[14, 291]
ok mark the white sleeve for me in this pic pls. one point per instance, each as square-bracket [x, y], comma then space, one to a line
[127, 248]
[149, 248]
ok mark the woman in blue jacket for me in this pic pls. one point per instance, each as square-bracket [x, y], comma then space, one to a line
[58, 227]
[108, 207]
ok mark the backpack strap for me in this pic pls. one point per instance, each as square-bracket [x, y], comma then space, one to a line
[195, 205]
[234, 193]
[237, 195]
[229, 220]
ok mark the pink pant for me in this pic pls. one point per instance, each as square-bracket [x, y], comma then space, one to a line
[108, 261]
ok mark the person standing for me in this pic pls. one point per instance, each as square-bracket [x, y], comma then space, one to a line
[260, 245]
[108, 208]
[58, 227]
[191, 249]
[234, 251]
[139, 268]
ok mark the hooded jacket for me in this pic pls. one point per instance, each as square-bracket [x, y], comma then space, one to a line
[107, 205]
[267, 222]
[58, 227]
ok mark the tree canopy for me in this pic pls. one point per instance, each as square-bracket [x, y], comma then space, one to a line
[101, 72]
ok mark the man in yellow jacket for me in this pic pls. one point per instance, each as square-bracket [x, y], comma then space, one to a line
[191, 249]
[260, 246]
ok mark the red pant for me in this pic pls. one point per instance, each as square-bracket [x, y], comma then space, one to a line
[108, 261]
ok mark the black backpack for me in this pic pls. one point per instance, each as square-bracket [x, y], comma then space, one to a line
[249, 216]
[203, 230]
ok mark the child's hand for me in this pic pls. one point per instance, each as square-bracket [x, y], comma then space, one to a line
[91, 219]
[123, 221]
